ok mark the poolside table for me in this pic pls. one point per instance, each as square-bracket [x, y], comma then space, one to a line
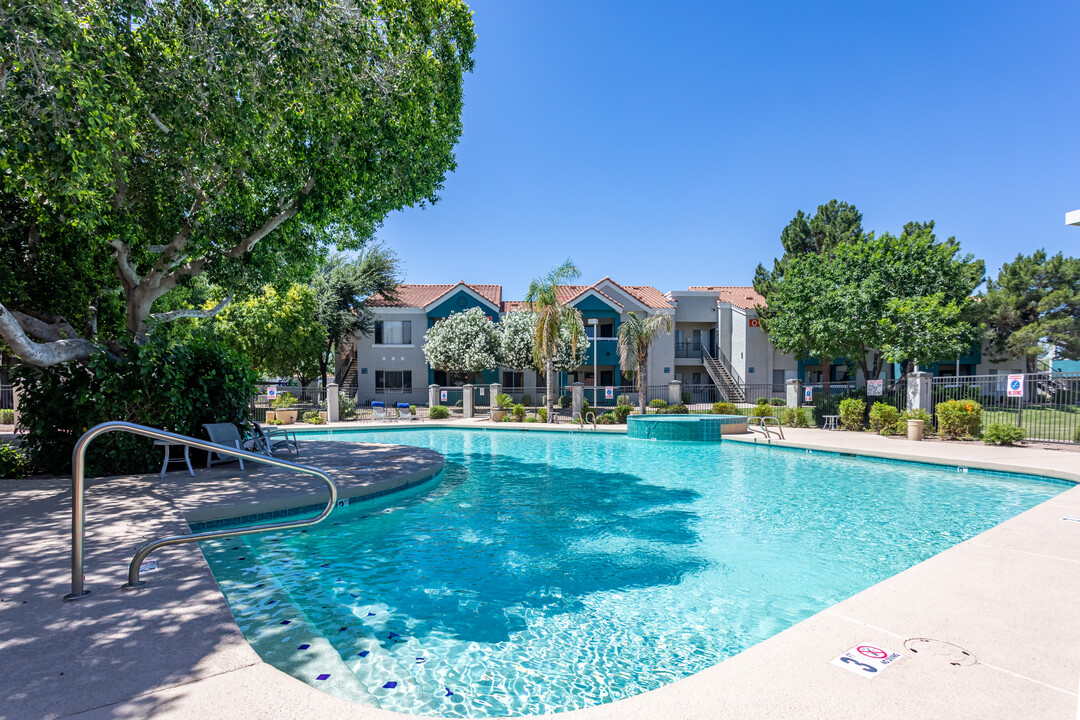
[830, 422]
[186, 459]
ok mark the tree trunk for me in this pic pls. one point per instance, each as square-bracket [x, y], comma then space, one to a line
[550, 382]
[826, 375]
[1031, 363]
[642, 383]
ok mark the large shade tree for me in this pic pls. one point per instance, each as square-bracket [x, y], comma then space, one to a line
[557, 325]
[1033, 308]
[144, 144]
[634, 339]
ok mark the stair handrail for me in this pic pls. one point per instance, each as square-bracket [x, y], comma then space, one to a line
[731, 386]
[78, 505]
[765, 429]
[726, 363]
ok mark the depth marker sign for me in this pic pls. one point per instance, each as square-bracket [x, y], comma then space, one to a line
[1016, 386]
[866, 660]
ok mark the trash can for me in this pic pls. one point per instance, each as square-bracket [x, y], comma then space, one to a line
[915, 429]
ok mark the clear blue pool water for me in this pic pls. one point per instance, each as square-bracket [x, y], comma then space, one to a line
[551, 571]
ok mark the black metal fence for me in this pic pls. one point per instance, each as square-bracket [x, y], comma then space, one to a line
[1046, 405]
[7, 398]
[295, 397]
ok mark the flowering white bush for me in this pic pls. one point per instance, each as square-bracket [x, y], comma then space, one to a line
[516, 340]
[566, 359]
[465, 342]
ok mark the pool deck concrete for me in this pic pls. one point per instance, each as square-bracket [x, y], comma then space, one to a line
[1007, 596]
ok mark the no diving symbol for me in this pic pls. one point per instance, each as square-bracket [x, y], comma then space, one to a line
[1014, 384]
[872, 652]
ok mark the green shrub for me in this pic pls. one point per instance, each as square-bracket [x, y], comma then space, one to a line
[564, 402]
[725, 408]
[526, 399]
[658, 403]
[1003, 434]
[459, 403]
[531, 419]
[542, 414]
[679, 409]
[795, 417]
[624, 400]
[519, 412]
[12, 463]
[312, 417]
[884, 419]
[762, 401]
[7, 417]
[852, 411]
[762, 410]
[283, 401]
[439, 412]
[1076, 437]
[347, 409]
[507, 418]
[686, 398]
[504, 401]
[607, 418]
[959, 418]
[778, 402]
[620, 412]
[177, 387]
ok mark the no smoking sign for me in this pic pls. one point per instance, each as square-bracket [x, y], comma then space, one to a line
[867, 660]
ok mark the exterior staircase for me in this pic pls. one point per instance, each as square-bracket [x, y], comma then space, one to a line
[347, 379]
[725, 378]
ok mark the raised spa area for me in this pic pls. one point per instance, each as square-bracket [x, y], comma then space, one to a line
[699, 428]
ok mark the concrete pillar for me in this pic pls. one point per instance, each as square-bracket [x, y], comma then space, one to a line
[467, 400]
[495, 389]
[794, 392]
[332, 400]
[433, 396]
[15, 397]
[577, 398]
[918, 391]
[674, 392]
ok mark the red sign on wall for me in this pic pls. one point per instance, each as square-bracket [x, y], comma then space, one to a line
[754, 322]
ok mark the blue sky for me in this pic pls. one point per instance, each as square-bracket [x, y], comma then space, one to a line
[669, 143]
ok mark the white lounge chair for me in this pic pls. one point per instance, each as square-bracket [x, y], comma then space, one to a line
[378, 410]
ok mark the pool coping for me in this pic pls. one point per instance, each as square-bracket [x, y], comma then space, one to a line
[1006, 594]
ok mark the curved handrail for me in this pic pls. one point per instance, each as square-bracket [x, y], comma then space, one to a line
[78, 506]
[765, 429]
[592, 415]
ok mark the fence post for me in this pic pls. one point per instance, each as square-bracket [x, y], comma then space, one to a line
[794, 393]
[577, 398]
[674, 392]
[467, 400]
[15, 393]
[332, 402]
[495, 389]
[919, 392]
[433, 397]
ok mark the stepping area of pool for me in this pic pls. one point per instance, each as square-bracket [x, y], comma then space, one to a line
[172, 649]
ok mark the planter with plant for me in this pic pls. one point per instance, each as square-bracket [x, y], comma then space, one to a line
[503, 403]
[285, 408]
[314, 417]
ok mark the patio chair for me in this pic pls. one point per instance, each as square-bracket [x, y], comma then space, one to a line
[404, 407]
[378, 410]
[228, 435]
[272, 439]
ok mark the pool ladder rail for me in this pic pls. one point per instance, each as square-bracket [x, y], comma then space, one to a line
[582, 421]
[765, 429]
[78, 505]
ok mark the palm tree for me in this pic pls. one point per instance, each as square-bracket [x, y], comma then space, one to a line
[551, 317]
[635, 338]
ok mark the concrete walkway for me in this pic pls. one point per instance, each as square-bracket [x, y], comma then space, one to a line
[1006, 597]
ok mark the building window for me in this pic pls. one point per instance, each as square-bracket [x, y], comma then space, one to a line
[393, 380]
[393, 332]
[513, 379]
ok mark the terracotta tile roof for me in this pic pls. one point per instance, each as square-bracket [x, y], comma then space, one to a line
[509, 306]
[743, 297]
[566, 293]
[418, 296]
[649, 296]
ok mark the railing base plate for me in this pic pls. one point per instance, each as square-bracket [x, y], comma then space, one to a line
[80, 596]
[136, 586]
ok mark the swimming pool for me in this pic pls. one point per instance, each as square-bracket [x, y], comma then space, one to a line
[553, 571]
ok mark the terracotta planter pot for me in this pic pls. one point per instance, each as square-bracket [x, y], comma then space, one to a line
[287, 417]
[325, 415]
[271, 416]
[498, 415]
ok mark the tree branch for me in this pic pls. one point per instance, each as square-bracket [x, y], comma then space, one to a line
[124, 267]
[44, 327]
[41, 354]
[191, 312]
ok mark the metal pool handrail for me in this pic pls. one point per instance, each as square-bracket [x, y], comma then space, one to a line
[765, 429]
[78, 506]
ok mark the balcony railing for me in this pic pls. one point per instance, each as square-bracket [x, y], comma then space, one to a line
[692, 349]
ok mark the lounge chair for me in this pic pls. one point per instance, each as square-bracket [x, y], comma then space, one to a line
[403, 411]
[272, 439]
[378, 410]
[414, 414]
[228, 435]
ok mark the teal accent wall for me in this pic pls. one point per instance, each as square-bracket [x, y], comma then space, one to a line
[460, 302]
[594, 307]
